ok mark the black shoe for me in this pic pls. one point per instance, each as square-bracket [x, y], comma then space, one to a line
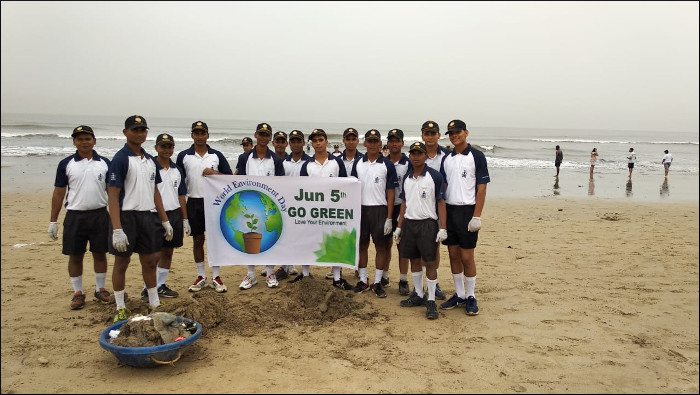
[431, 310]
[439, 295]
[281, 274]
[342, 284]
[378, 290]
[300, 277]
[385, 282]
[165, 292]
[453, 302]
[360, 287]
[413, 301]
[472, 308]
[403, 287]
[144, 295]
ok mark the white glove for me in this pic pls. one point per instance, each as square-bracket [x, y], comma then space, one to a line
[186, 226]
[387, 226]
[474, 224]
[441, 235]
[168, 230]
[119, 240]
[53, 231]
[397, 235]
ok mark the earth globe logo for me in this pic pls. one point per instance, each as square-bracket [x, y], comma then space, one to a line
[251, 221]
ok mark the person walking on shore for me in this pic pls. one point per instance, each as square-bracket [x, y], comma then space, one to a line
[558, 158]
[197, 162]
[594, 159]
[631, 158]
[135, 207]
[666, 161]
[82, 180]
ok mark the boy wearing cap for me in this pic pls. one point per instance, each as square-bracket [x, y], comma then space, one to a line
[247, 144]
[280, 144]
[422, 206]
[135, 207]
[323, 164]
[197, 162]
[378, 177]
[172, 193]
[336, 150]
[81, 179]
[260, 161]
[401, 163]
[466, 174]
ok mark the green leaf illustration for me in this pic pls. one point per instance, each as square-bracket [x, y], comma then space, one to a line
[338, 247]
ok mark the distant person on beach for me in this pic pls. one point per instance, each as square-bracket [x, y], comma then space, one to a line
[197, 162]
[466, 174]
[558, 158]
[422, 214]
[135, 207]
[385, 150]
[631, 158]
[82, 180]
[336, 150]
[594, 159]
[260, 161]
[172, 193]
[323, 164]
[378, 177]
[401, 163]
[666, 161]
[280, 144]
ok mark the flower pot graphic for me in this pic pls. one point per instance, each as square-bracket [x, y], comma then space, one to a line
[252, 242]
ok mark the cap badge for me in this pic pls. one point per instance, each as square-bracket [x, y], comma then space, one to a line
[430, 125]
[452, 124]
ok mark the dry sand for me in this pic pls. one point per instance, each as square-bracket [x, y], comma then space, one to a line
[584, 296]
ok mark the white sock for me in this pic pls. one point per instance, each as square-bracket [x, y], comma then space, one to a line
[100, 279]
[385, 274]
[215, 271]
[162, 276]
[251, 271]
[119, 299]
[363, 274]
[200, 269]
[471, 284]
[270, 270]
[431, 289]
[336, 273]
[378, 275]
[153, 299]
[459, 285]
[404, 276]
[418, 283]
[305, 270]
[77, 283]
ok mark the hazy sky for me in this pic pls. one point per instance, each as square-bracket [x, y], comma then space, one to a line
[607, 65]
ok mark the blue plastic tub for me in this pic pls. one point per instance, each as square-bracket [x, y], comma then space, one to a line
[148, 357]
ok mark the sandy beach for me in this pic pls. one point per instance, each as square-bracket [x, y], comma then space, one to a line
[578, 295]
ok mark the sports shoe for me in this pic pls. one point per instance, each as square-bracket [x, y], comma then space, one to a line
[342, 284]
[281, 274]
[199, 283]
[378, 290]
[272, 281]
[300, 277]
[103, 296]
[439, 295]
[360, 287]
[453, 302]
[385, 282]
[413, 301]
[431, 310]
[144, 295]
[122, 314]
[329, 275]
[78, 301]
[248, 282]
[472, 308]
[292, 271]
[403, 287]
[218, 285]
[165, 292]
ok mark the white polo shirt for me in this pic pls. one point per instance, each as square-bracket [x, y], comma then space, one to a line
[86, 180]
[462, 173]
[376, 178]
[436, 161]
[172, 186]
[350, 162]
[422, 194]
[293, 168]
[250, 164]
[332, 167]
[401, 166]
[193, 165]
[137, 177]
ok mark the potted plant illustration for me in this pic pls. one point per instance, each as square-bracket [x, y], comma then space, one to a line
[252, 239]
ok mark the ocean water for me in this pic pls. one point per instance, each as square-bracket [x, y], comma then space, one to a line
[520, 160]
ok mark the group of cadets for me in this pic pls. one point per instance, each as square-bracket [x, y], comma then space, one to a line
[418, 201]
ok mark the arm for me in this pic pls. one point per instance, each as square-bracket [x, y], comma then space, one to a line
[390, 195]
[183, 206]
[113, 203]
[442, 213]
[159, 205]
[57, 202]
[480, 199]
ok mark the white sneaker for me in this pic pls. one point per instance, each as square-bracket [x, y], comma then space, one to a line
[218, 285]
[198, 284]
[248, 282]
[292, 271]
[272, 281]
[329, 275]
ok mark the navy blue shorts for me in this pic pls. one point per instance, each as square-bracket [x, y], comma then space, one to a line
[458, 218]
[195, 214]
[418, 239]
[144, 231]
[80, 226]
[175, 218]
[372, 220]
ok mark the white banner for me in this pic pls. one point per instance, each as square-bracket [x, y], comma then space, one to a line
[253, 220]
